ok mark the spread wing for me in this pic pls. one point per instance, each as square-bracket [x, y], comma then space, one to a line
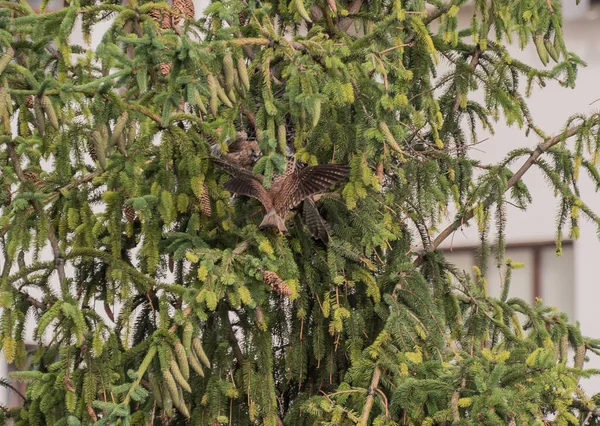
[251, 187]
[244, 183]
[234, 169]
[314, 221]
[309, 181]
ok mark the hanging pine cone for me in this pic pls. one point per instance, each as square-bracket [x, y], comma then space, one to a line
[165, 68]
[29, 101]
[129, 213]
[204, 201]
[92, 151]
[185, 8]
[579, 356]
[29, 175]
[162, 17]
[276, 283]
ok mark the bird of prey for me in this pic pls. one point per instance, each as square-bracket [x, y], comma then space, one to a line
[242, 151]
[287, 191]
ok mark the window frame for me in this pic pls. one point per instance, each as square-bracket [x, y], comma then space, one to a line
[536, 248]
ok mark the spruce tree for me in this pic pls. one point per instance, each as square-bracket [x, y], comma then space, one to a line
[163, 303]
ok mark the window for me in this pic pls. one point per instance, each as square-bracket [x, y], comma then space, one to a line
[11, 398]
[545, 275]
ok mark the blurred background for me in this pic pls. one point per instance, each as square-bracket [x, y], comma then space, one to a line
[570, 282]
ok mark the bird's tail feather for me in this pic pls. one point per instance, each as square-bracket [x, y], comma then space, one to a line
[314, 221]
[273, 220]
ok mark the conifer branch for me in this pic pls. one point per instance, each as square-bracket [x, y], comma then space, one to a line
[477, 54]
[541, 149]
[59, 261]
[85, 179]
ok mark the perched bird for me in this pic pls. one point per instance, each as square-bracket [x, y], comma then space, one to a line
[287, 191]
[242, 151]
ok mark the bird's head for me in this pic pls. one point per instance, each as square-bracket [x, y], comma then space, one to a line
[254, 151]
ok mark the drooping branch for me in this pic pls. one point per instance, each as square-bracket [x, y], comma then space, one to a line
[85, 179]
[59, 261]
[542, 148]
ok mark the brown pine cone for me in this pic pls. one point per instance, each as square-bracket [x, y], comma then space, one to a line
[204, 201]
[276, 283]
[129, 213]
[185, 8]
[29, 175]
[171, 263]
[165, 68]
[163, 17]
[29, 101]
[92, 151]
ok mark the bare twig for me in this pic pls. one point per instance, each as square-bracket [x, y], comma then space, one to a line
[364, 418]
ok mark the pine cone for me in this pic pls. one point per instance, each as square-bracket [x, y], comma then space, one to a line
[31, 176]
[276, 283]
[171, 263]
[29, 101]
[162, 17]
[204, 201]
[129, 213]
[579, 356]
[92, 151]
[165, 68]
[185, 8]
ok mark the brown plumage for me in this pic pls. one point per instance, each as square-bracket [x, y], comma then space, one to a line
[287, 191]
[242, 152]
[316, 225]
